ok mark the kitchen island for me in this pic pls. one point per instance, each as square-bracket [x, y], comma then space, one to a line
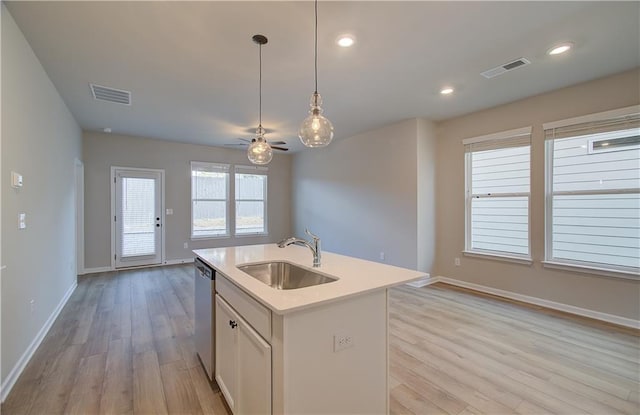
[318, 349]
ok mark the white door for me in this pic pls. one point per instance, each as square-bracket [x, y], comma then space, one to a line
[138, 218]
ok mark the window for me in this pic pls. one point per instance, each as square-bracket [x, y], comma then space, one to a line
[251, 200]
[593, 191]
[209, 200]
[497, 193]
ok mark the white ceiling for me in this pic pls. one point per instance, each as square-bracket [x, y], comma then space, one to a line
[193, 69]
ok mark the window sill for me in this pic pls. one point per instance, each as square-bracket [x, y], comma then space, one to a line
[204, 238]
[607, 272]
[245, 235]
[498, 257]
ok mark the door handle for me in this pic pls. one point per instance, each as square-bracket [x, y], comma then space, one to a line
[157, 218]
[157, 225]
[233, 324]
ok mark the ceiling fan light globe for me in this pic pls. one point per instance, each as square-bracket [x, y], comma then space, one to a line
[260, 152]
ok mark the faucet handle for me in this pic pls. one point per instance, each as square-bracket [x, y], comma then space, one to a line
[308, 232]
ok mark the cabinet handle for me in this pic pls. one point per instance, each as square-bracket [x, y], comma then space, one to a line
[233, 324]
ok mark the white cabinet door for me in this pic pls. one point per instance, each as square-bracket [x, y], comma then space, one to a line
[227, 351]
[254, 372]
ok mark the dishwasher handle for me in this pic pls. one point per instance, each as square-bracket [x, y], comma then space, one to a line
[204, 271]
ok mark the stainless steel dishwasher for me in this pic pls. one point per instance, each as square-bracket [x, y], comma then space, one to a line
[205, 330]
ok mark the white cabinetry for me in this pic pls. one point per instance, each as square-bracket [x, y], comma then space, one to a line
[243, 357]
[226, 351]
[254, 372]
[287, 364]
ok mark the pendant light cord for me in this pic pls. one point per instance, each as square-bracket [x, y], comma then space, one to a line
[260, 91]
[316, 48]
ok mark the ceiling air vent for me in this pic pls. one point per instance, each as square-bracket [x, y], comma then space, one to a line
[518, 63]
[104, 93]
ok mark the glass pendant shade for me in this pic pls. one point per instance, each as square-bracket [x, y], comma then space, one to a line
[316, 130]
[260, 152]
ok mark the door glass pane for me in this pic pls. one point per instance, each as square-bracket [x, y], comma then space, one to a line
[138, 217]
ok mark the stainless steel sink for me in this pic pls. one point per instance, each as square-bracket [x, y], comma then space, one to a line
[284, 275]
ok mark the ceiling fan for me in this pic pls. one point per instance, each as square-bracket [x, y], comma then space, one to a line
[276, 145]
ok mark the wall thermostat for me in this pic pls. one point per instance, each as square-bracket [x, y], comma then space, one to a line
[16, 180]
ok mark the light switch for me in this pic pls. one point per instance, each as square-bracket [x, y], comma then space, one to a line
[169, 211]
[16, 180]
[22, 224]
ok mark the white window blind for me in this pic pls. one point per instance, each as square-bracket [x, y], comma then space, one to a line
[498, 192]
[593, 191]
[209, 199]
[251, 200]
[138, 214]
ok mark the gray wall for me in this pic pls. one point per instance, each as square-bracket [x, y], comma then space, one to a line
[40, 140]
[426, 191]
[360, 194]
[101, 151]
[609, 295]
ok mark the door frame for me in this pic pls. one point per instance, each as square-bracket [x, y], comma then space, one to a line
[114, 208]
[78, 170]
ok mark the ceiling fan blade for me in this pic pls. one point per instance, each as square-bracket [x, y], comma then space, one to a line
[246, 140]
[279, 148]
[278, 143]
[236, 145]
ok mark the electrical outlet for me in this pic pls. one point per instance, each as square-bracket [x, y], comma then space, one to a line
[382, 256]
[186, 245]
[456, 261]
[342, 341]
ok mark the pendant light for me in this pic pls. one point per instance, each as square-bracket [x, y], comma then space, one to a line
[316, 130]
[260, 152]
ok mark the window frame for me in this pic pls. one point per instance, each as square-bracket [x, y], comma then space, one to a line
[257, 171]
[504, 137]
[568, 264]
[222, 167]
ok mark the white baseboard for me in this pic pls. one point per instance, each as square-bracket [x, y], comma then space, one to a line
[109, 269]
[15, 373]
[178, 261]
[95, 270]
[426, 280]
[597, 315]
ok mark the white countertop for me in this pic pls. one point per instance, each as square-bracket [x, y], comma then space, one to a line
[355, 276]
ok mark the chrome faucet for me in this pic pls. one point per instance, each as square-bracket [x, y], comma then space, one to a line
[314, 245]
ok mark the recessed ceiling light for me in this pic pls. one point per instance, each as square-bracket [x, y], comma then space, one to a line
[446, 90]
[346, 41]
[106, 130]
[558, 49]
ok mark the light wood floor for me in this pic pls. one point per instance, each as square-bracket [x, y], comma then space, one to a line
[123, 344]
[458, 352]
